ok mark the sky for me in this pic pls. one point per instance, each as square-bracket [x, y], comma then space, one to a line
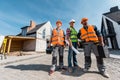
[15, 14]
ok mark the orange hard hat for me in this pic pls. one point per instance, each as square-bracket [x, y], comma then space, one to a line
[84, 20]
[58, 21]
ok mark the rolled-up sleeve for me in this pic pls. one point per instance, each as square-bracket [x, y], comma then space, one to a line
[68, 33]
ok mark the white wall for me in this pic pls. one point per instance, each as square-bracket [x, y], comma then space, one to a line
[40, 45]
[40, 42]
[1, 40]
[47, 27]
[117, 30]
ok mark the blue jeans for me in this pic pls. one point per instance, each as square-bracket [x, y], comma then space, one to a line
[72, 55]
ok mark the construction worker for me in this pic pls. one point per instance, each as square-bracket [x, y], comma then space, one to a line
[91, 36]
[71, 36]
[58, 43]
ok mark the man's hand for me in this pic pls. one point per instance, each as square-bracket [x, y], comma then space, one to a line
[70, 44]
[101, 40]
[49, 45]
[78, 44]
[102, 43]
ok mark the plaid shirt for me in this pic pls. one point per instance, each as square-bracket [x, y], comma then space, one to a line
[68, 33]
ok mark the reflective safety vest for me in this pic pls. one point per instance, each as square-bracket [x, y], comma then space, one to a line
[73, 35]
[58, 38]
[89, 34]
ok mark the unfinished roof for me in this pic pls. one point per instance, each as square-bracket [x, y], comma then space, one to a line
[20, 37]
[36, 28]
[114, 14]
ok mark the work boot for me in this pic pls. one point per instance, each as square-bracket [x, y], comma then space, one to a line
[85, 69]
[102, 71]
[105, 74]
[76, 68]
[70, 70]
[52, 70]
[62, 68]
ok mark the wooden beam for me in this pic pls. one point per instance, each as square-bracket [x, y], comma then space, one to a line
[9, 45]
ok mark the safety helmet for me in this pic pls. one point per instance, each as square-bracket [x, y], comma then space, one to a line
[84, 20]
[58, 21]
[72, 20]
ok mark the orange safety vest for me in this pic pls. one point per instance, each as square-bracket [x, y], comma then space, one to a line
[57, 37]
[89, 34]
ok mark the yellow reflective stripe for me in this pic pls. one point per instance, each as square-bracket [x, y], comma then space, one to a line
[54, 35]
[87, 34]
[57, 40]
[83, 35]
[90, 37]
[54, 40]
[91, 32]
[57, 36]
[61, 36]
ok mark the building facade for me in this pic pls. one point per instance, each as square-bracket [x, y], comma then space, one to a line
[32, 38]
[110, 28]
[41, 32]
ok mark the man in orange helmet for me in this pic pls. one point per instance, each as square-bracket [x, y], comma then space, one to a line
[91, 36]
[58, 42]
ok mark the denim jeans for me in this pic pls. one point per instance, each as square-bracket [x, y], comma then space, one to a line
[72, 56]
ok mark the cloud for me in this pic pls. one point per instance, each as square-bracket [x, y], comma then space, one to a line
[94, 10]
[113, 2]
[16, 17]
[4, 24]
[47, 10]
[7, 28]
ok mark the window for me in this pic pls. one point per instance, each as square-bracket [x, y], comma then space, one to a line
[43, 34]
[24, 31]
[112, 34]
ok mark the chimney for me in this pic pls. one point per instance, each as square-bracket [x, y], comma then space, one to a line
[32, 25]
[114, 9]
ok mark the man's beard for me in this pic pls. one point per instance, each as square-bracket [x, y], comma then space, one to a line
[85, 24]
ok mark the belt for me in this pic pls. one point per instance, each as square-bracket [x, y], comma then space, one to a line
[57, 45]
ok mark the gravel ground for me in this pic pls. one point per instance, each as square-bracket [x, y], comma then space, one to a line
[37, 69]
